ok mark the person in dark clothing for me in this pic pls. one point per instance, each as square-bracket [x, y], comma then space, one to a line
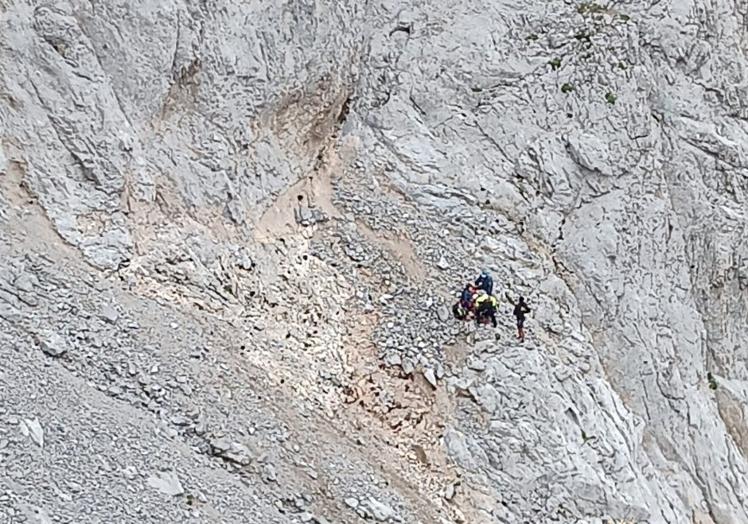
[520, 308]
[485, 282]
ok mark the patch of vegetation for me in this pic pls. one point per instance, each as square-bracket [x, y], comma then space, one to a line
[624, 17]
[567, 88]
[610, 98]
[712, 381]
[583, 36]
[532, 36]
[590, 8]
[555, 63]
[622, 65]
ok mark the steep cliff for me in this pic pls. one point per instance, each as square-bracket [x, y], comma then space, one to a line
[231, 233]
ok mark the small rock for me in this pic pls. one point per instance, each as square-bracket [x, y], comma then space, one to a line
[114, 391]
[442, 263]
[449, 493]
[244, 261]
[231, 451]
[167, 483]
[179, 420]
[393, 359]
[351, 502]
[429, 375]
[407, 366]
[52, 344]
[381, 512]
[385, 298]
[269, 474]
[109, 314]
[33, 429]
[476, 364]
[24, 283]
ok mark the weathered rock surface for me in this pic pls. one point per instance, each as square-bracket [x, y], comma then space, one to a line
[239, 226]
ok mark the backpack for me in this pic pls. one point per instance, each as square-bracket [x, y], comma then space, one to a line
[459, 312]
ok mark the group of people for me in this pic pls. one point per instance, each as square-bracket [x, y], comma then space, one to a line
[478, 300]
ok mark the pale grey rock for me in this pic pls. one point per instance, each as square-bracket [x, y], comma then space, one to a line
[234, 452]
[430, 376]
[380, 512]
[109, 314]
[167, 482]
[32, 428]
[53, 344]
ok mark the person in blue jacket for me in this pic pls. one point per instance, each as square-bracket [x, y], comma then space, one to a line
[485, 282]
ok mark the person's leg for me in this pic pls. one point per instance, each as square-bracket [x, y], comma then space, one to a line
[493, 319]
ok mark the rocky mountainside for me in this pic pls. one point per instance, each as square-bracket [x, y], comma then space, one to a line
[231, 233]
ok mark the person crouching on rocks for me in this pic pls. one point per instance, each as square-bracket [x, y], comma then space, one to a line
[468, 296]
[485, 308]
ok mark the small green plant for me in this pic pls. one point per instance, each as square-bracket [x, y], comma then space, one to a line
[622, 65]
[624, 17]
[555, 63]
[610, 97]
[712, 381]
[532, 36]
[583, 36]
[589, 8]
[567, 88]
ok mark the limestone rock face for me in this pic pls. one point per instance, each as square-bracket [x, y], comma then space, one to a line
[246, 221]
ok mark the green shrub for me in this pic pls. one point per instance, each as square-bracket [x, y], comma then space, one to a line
[590, 8]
